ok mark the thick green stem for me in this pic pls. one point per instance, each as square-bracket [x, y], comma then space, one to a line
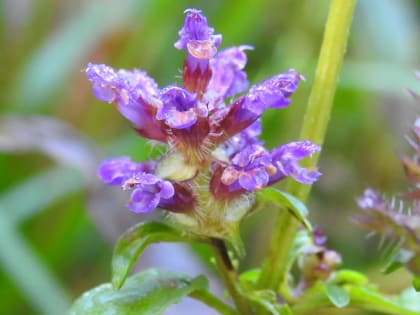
[229, 276]
[314, 127]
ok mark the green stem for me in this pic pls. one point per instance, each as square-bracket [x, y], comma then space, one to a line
[314, 127]
[212, 301]
[229, 276]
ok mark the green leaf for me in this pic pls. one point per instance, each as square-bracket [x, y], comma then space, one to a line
[368, 299]
[132, 243]
[285, 201]
[337, 295]
[146, 293]
[321, 295]
[416, 283]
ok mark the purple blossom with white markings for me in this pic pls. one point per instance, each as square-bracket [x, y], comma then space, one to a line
[210, 124]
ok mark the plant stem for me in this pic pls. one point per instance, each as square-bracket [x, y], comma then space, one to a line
[229, 276]
[314, 127]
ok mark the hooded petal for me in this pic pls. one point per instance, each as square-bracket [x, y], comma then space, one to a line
[143, 201]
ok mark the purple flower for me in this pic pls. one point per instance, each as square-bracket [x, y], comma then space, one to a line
[180, 108]
[148, 189]
[274, 92]
[285, 158]
[208, 138]
[197, 38]
[148, 192]
[253, 167]
[380, 217]
[248, 136]
[227, 77]
[133, 92]
[249, 168]
[116, 171]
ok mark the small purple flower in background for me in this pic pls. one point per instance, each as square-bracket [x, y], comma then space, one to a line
[214, 157]
[380, 217]
[398, 221]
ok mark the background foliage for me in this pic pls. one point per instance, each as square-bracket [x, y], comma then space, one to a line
[58, 223]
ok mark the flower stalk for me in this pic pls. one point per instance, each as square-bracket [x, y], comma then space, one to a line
[229, 276]
[314, 128]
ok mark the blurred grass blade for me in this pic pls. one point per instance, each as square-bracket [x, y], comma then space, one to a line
[48, 136]
[22, 265]
[58, 181]
[63, 52]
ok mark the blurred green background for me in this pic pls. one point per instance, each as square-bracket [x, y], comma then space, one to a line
[57, 222]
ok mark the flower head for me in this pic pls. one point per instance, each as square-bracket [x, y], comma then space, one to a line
[215, 160]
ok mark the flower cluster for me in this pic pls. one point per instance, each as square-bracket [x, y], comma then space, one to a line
[214, 155]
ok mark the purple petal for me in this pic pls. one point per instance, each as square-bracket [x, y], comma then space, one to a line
[143, 201]
[180, 108]
[296, 150]
[286, 157]
[274, 92]
[227, 76]
[254, 180]
[252, 155]
[238, 142]
[105, 81]
[247, 181]
[196, 28]
[115, 171]
[370, 200]
[135, 94]
[140, 85]
[166, 189]
[301, 174]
